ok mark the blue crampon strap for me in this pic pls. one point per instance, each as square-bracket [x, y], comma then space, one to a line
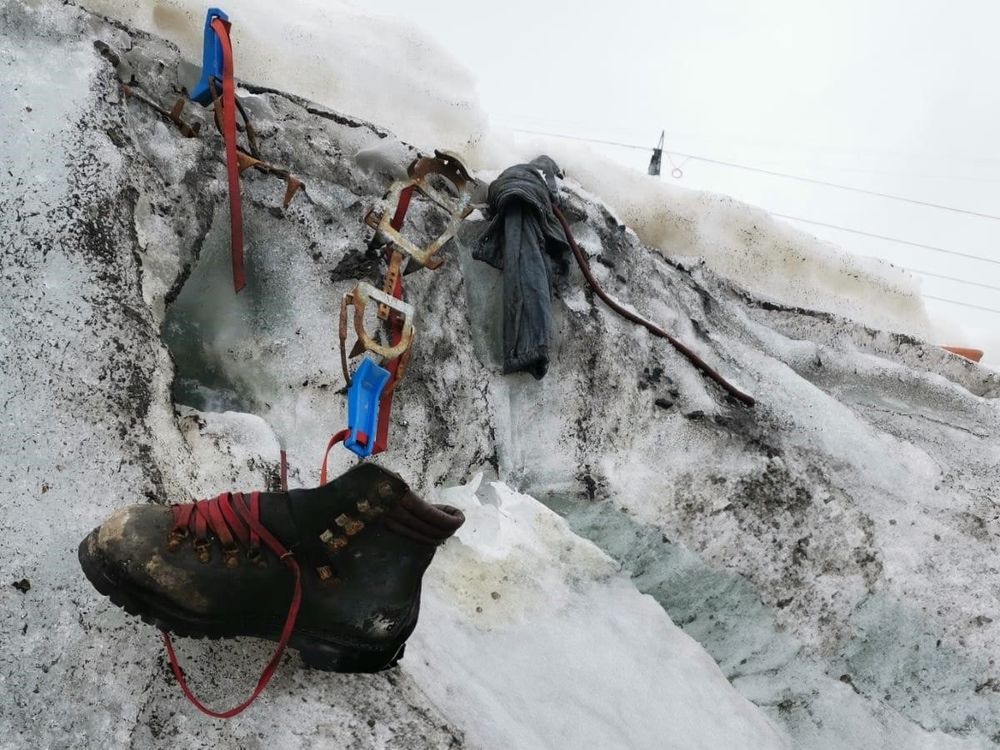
[211, 60]
[363, 407]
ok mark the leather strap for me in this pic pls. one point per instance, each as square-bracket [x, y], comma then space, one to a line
[687, 353]
[221, 29]
[395, 335]
[337, 438]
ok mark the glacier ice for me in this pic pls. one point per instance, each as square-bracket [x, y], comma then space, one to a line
[532, 639]
[833, 551]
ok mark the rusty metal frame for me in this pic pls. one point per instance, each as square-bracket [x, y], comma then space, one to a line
[391, 279]
[420, 170]
[246, 161]
[173, 114]
[292, 184]
[359, 297]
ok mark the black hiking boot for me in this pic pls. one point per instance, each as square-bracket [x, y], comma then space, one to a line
[220, 568]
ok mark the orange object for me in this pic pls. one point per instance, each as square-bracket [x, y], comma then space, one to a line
[973, 355]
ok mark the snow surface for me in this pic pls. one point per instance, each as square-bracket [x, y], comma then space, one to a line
[333, 52]
[833, 551]
[373, 67]
[532, 639]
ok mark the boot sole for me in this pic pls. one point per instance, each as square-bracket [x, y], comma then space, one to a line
[319, 653]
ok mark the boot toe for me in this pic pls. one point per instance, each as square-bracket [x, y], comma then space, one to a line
[133, 531]
[117, 553]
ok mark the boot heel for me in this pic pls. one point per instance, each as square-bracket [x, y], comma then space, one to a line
[331, 657]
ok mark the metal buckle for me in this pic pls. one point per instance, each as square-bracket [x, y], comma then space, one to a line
[203, 550]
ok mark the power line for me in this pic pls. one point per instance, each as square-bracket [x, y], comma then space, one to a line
[587, 140]
[916, 270]
[952, 278]
[511, 123]
[914, 175]
[772, 173]
[963, 304]
[886, 237]
[824, 224]
[813, 181]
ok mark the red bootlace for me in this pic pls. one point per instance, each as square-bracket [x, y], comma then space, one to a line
[232, 519]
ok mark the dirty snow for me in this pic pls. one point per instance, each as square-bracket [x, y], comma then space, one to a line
[832, 551]
[333, 52]
[390, 74]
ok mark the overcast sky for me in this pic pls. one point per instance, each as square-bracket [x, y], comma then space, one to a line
[896, 97]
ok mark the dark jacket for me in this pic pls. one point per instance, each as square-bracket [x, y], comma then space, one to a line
[519, 240]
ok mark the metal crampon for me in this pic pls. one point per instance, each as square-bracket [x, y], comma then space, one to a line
[370, 389]
[388, 225]
[358, 298]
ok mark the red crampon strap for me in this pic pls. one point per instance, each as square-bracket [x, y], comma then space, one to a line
[395, 335]
[231, 518]
[221, 29]
[337, 438]
[402, 206]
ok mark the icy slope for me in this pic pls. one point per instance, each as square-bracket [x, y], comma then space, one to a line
[371, 66]
[833, 550]
[531, 639]
[89, 426]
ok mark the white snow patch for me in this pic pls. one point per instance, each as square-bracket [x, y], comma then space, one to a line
[367, 65]
[33, 116]
[244, 443]
[531, 639]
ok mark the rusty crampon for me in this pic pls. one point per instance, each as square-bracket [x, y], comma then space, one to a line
[387, 219]
[193, 130]
[387, 225]
[374, 386]
[173, 114]
[358, 298]
[252, 160]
